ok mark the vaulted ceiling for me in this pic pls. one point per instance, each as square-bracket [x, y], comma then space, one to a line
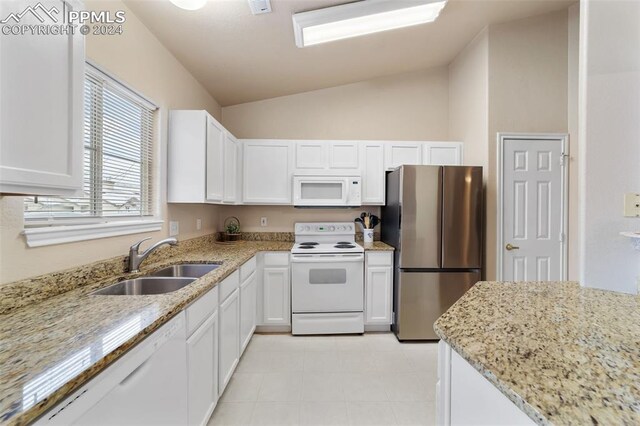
[240, 57]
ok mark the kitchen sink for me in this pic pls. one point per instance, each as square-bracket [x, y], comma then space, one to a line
[191, 270]
[145, 285]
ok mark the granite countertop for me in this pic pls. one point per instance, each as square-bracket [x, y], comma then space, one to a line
[55, 341]
[562, 353]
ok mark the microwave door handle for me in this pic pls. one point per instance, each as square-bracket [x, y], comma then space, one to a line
[345, 191]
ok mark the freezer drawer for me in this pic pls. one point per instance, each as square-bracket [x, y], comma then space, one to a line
[422, 297]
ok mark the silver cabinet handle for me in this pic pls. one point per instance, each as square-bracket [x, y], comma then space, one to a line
[512, 247]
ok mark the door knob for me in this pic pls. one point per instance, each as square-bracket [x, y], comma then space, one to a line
[511, 247]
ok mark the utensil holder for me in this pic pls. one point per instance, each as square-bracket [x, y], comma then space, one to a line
[368, 235]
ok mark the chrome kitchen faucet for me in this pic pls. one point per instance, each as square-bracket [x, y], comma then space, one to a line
[135, 259]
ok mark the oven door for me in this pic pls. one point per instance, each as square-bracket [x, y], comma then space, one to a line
[320, 191]
[327, 283]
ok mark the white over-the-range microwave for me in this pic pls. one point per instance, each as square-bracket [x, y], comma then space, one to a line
[327, 191]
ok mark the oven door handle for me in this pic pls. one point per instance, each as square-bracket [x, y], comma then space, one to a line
[327, 258]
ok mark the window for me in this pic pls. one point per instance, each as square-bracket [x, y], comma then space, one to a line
[118, 158]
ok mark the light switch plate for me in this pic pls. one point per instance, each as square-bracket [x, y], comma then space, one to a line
[174, 228]
[263, 221]
[631, 205]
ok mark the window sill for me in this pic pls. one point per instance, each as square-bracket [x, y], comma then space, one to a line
[51, 235]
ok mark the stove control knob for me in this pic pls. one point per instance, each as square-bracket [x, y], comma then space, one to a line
[307, 228]
[332, 228]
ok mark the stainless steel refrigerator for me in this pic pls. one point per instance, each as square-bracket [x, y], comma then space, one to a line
[433, 218]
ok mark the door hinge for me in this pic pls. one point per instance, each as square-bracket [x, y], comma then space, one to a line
[562, 237]
[564, 158]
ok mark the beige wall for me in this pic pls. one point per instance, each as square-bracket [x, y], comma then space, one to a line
[469, 100]
[411, 106]
[512, 77]
[609, 104]
[574, 141]
[282, 218]
[138, 59]
[527, 91]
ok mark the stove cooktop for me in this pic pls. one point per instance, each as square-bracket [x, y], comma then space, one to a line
[351, 247]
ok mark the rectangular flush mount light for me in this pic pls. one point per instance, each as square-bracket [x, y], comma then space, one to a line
[360, 18]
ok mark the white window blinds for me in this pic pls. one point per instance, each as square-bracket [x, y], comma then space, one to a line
[118, 156]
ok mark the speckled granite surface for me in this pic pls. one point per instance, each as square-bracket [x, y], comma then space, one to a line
[41, 345]
[562, 353]
[377, 246]
[49, 321]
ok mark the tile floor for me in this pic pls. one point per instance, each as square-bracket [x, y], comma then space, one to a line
[331, 380]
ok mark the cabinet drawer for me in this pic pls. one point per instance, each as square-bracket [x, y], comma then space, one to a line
[202, 309]
[228, 285]
[247, 269]
[380, 259]
[276, 259]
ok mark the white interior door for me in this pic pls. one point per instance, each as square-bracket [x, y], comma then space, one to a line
[532, 246]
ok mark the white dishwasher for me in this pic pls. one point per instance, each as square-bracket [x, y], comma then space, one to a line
[147, 386]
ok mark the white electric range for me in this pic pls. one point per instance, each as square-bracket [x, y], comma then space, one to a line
[327, 279]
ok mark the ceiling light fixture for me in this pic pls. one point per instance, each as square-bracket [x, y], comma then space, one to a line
[360, 18]
[189, 4]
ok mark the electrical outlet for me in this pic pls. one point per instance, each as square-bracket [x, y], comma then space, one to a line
[263, 221]
[174, 228]
[631, 205]
[198, 224]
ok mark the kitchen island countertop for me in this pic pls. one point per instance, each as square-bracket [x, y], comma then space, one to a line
[562, 353]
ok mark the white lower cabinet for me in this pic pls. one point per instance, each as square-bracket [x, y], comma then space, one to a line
[464, 396]
[378, 292]
[229, 349]
[248, 292]
[276, 290]
[202, 361]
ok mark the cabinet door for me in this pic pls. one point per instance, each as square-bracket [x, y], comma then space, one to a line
[229, 166]
[267, 172]
[378, 294]
[373, 173]
[202, 361]
[215, 157]
[311, 155]
[229, 339]
[344, 155]
[247, 311]
[41, 107]
[399, 153]
[276, 296]
[442, 153]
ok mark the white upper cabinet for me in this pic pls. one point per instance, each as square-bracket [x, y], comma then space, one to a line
[215, 160]
[231, 152]
[401, 153]
[320, 156]
[442, 153]
[344, 155]
[202, 159]
[267, 170]
[41, 108]
[373, 172]
[310, 155]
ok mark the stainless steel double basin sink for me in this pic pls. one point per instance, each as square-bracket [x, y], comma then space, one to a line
[166, 280]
